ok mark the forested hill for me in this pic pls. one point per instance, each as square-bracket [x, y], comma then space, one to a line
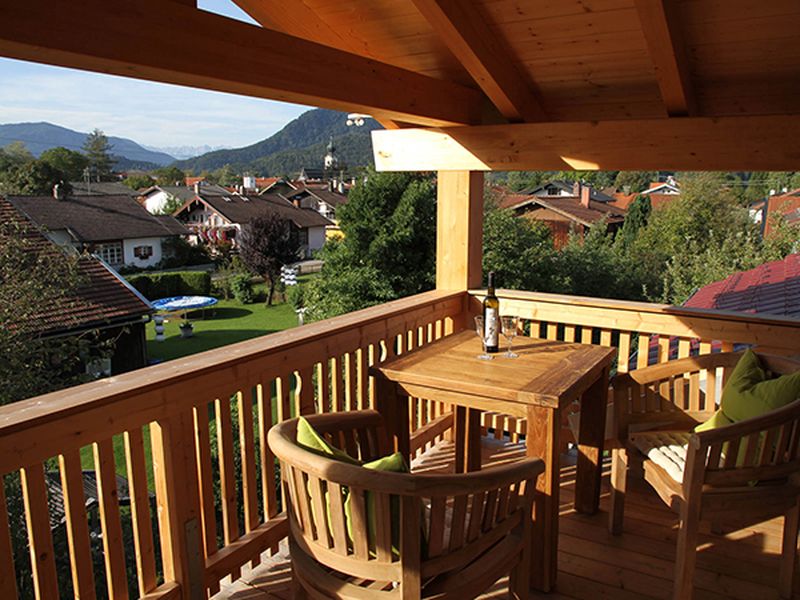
[39, 137]
[301, 143]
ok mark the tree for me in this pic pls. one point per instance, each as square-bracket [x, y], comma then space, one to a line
[268, 243]
[169, 176]
[34, 177]
[14, 155]
[518, 250]
[138, 181]
[633, 182]
[388, 250]
[636, 220]
[225, 175]
[71, 164]
[98, 152]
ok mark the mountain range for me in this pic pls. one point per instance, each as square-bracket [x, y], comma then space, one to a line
[39, 137]
[301, 143]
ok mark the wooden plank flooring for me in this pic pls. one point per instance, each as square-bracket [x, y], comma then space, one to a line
[593, 565]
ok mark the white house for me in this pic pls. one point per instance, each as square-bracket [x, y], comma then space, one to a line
[116, 228]
[217, 214]
[156, 198]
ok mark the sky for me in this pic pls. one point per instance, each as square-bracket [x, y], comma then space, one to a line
[152, 114]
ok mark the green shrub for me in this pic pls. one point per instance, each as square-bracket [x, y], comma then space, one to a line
[180, 283]
[242, 288]
[295, 296]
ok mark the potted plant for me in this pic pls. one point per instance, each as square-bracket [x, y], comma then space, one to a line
[187, 329]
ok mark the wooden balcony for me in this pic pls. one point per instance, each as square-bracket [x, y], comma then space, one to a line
[201, 423]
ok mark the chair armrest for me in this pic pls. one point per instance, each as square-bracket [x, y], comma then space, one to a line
[676, 367]
[742, 429]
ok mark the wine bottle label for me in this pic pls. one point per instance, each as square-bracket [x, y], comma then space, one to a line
[491, 331]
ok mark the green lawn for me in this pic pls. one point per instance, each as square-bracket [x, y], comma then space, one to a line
[223, 324]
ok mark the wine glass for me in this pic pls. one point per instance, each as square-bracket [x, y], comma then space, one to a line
[479, 331]
[510, 326]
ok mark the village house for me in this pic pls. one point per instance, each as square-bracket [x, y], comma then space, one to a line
[565, 207]
[215, 214]
[785, 203]
[103, 301]
[660, 194]
[116, 228]
[157, 197]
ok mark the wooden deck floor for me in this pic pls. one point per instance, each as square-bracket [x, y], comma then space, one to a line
[593, 564]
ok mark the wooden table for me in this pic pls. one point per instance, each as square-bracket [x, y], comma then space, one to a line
[537, 386]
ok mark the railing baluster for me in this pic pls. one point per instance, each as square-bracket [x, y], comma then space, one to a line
[227, 475]
[267, 458]
[8, 581]
[40, 541]
[624, 352]
[208, 513]
[247, 451]
[107, 495]
[140, 510]
[80, 552]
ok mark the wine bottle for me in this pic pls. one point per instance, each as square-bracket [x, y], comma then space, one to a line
[491, 317]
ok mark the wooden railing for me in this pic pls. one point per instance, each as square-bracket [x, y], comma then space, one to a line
[189, 437]
[201, 422]
[643, 333]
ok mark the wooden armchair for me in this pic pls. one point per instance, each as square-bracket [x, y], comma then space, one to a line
[458, 534]
[744, 472]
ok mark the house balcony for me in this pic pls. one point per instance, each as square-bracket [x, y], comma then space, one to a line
[205, 514]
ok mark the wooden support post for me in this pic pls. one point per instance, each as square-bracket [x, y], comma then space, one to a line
[590, 445]
[175, 474]
[459, 230]
[542, 442]
[394, 408]
[467, 426]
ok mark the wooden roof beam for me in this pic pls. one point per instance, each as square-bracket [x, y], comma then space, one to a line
[661, 27]
[764, 143]
[465, 31]
[173, 43]
[299, 20]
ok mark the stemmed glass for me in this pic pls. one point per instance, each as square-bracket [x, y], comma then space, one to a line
[479, 331]
[510, 326]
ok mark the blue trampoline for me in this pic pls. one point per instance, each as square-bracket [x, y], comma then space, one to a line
[183, 303]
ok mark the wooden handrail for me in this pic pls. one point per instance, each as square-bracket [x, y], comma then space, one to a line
[38, 428]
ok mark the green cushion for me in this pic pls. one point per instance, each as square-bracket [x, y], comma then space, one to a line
[394, 463]
[310, 439]
[748, 393]
[718, 419]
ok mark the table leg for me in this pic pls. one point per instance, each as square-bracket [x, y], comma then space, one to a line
[590, 445]
[467, 426]
[541, 441]
[393, 405]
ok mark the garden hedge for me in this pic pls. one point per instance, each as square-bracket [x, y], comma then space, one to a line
[179, 283]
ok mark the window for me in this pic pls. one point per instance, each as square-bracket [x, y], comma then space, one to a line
[303, 237]
[111, 253]
[143, 252]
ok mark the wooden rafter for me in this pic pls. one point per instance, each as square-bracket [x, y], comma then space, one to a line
[485, 57]
[169, 42]
[691, 143]
[298, 19]
[662, 30]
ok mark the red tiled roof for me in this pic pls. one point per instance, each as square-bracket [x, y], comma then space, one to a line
[772, 288]
[265, 182]
[657, 201]
[190, 181]
[101, 298]
[572, 208]
[787, 205]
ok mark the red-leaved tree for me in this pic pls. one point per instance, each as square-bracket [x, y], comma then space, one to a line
[268, 243]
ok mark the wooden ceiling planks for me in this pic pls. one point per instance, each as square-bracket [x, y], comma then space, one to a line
[587, 60]
[485, 56]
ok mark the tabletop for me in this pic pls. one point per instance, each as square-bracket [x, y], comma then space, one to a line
[547, 372]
